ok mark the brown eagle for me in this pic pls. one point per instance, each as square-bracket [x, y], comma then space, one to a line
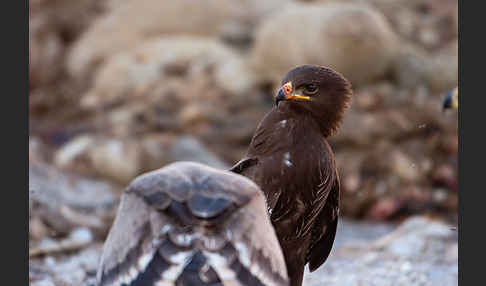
[290, 159]
[188, 224]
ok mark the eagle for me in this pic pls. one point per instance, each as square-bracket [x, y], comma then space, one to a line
[290, 159]
[188, 224]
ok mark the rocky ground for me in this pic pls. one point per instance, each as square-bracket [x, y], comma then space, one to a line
[112, 97]
[71, 214]
[419, 251]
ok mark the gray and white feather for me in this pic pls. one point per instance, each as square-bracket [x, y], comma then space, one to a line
[189, 224]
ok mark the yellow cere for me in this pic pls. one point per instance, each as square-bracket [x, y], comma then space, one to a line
[299, 96]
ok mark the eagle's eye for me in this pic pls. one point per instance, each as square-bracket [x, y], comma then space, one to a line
[310, 88]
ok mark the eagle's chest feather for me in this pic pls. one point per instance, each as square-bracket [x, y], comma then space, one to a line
[295, 163]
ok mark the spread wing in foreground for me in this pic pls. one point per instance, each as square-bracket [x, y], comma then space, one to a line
[189, 224]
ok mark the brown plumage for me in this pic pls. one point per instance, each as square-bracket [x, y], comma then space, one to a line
[291, 161]
[189, 224]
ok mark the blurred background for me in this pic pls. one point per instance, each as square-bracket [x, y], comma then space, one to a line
[122, 87]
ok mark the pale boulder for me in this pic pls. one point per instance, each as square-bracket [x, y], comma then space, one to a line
[129, 23]
[353, 39]
[142, 71]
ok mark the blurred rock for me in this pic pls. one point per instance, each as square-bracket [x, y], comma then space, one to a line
[419, 252]
[446, 176]
[121, 159]
[416, 67]
[427, 23]
[153, 83]
[161, 149]
[450, 143]
[410, 67]
[355, 40]
[44, 282]
[161, 65]
[113, 159]
[442, 73]
[51, 27]
[71, 270]
[77, 239]
[59, 15]
[383, 209]
[179, 85]
[398, 115]
[427, 33]
[410, 239]
[393, 144]
[65, 201]
[155, 150]
[45, 50]
[38, 151]
[68, 153]
[187, 148]
[116, 160]
[121, 29]
[37, 229]
[403, 166]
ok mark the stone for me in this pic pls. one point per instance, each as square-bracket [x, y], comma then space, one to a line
[419, 251]
[121, 29]
[65, 200]
[355, 40]
[149, 69]
[116, 160]
[437, 72]
[187, 148]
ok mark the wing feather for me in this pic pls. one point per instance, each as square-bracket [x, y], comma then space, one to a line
[128, 248]
[325, 229]
[257, 244]
[188, 224]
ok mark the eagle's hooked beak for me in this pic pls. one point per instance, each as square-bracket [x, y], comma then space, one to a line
[286, 93]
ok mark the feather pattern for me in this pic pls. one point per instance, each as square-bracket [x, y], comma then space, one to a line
[290, 159]
[189, 224]
[296, 215]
